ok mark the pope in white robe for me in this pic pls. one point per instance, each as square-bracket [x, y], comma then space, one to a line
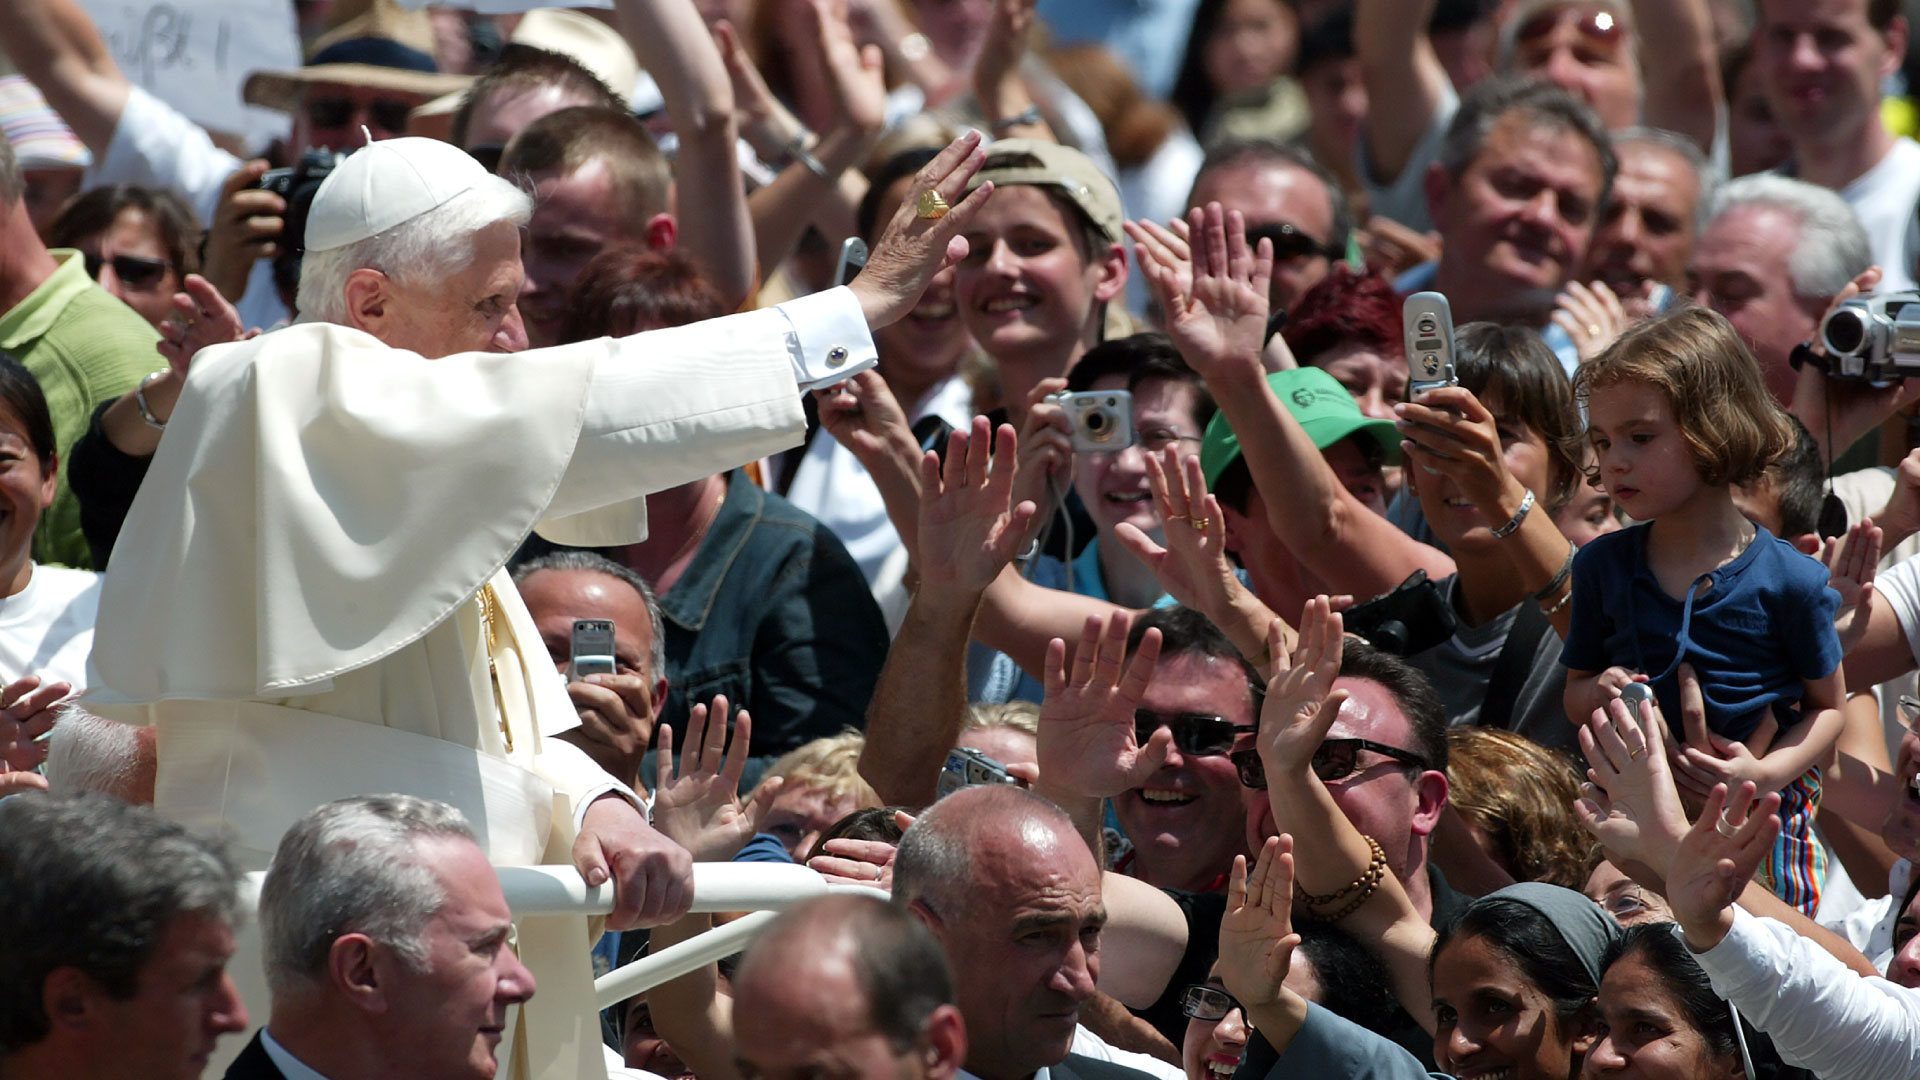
[308, 598]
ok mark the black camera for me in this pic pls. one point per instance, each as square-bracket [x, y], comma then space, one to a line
[1405, 622]
[296, 184]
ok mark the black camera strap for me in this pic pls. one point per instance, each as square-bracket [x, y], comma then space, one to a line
[1510, 672]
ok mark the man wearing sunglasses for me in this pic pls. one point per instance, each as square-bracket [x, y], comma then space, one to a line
[1288, 198]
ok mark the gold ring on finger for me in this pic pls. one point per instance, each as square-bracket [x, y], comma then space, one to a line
[1636, 753]
[1593, 329]
[1199, 524]
[931, 206]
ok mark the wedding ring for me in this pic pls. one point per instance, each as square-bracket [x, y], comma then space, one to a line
[932, 205]
[1593, 329]
[1199, 524]
[1634, 754]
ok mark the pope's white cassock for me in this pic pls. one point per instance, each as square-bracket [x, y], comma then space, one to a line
[308, 599]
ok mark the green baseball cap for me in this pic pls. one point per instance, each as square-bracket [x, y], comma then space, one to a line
[1321, 405]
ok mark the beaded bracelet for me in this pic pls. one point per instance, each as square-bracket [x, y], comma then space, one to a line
[1364, 886]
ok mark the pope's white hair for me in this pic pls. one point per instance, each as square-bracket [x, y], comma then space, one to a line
[431, 247]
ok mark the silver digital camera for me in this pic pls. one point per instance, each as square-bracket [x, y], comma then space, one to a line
[967, 767]
[1102, 419]
[1874, 339]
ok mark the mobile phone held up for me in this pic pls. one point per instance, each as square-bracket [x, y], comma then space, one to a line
[591, 649]
[1427, 322]
[853, 259]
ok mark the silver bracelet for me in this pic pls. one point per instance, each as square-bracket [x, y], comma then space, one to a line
[140, 401]
[798, 151]
[1519, 516]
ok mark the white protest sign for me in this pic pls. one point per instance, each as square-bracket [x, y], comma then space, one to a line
[196, 54]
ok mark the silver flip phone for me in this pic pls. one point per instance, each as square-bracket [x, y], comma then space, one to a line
[1428, 325]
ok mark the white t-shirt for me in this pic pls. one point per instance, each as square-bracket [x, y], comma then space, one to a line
[46, 629]
[1883, 199]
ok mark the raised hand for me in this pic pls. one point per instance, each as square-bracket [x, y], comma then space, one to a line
[27, 712]
[1256, 933]
[859, 862]
[1301, 703]
[1450, 433]
[862, 415]
[201, 317]
[968, 532]
[1629, 802]
[1851, 561]
[1087, 744]
[1592, 316]
[855, 74]
[1220, 321]
[1716, 859]
[1046, 447]
[1193, 568]
[246, 227]
[698, 806]
[913, 249]
[1006, 42]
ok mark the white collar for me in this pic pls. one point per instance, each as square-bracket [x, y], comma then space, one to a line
[290, 1067]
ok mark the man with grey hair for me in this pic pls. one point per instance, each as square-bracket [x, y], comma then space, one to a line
[846, 986]
[1652, 218]
[618, 709]
[1515, 193]
[118, 929]
[84, 346]
[1287, 197]
[1773, 255]
[386, 948]
[1013, 895]
[317, 608]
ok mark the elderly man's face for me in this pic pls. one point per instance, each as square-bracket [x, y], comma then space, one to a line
[183, 1001]
[474, 310]
[1740, 270]
[1025, 946]
[446, 1019]
[1646, 232]
[1517, 221]
[1822, 64]
[1184, 820]
[1272, 194]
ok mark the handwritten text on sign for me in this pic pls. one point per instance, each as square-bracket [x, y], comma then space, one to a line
[196, 54]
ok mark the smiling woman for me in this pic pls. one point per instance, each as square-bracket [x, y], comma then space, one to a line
[46, 612]
[1659, 1019]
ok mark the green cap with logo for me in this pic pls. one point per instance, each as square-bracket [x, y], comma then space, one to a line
[1321, 405]
[1073, 174]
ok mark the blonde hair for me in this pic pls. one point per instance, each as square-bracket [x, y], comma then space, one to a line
[830, 765]
[1017, 715]
[1519, 795]
[1712, 385]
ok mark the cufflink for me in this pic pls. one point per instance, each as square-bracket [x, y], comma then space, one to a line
[836, 356]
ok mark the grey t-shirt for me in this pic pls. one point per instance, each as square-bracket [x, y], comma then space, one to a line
[1462, 667]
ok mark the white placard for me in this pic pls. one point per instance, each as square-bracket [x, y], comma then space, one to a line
[196, 54]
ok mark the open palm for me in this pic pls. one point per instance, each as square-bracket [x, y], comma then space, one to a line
[1256, 933]
[1087, 744]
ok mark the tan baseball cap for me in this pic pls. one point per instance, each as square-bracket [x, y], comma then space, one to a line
[1039, 163]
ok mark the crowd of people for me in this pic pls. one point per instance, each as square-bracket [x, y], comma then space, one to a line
[965, 452]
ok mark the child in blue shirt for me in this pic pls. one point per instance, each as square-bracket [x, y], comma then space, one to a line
[1678, 416]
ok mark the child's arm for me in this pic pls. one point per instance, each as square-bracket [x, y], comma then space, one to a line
[1589, 691]
[1807, 744]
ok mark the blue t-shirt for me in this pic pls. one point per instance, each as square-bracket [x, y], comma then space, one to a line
[1763, 628]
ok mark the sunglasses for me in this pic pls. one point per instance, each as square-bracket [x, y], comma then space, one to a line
[1594, 25]
[1193, 733]
[1203, 1002]
[331, 111]
[1335, 760]
[1289, 242]
[134, 271]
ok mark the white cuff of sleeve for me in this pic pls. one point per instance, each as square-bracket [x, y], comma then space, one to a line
[614, 787]
[830, 339]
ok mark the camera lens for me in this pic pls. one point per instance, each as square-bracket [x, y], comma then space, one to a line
[1097, 421]
[1845, 332]
[1426, 324]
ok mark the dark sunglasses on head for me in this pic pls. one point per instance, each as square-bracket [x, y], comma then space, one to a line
[1290, 242]
[134, 271]
[1203, 1002]
[1335, 760]
[1193, 733]
[1595, 25]
[330, 111]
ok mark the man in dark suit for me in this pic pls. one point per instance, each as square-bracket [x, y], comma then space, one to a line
[114, 946]
[1012, 894]
[386, 948]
